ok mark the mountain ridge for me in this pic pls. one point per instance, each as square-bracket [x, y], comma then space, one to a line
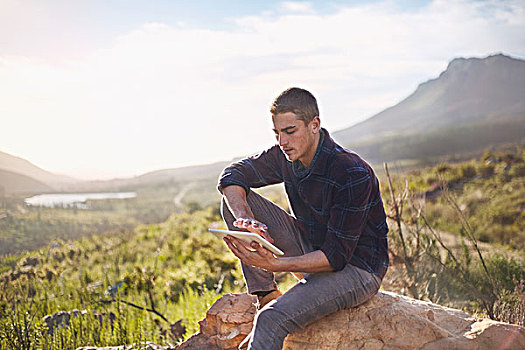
[470, 89]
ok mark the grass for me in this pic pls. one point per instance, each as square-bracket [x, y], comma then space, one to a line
[175, 268]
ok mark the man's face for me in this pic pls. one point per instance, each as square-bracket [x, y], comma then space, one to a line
[296, 139]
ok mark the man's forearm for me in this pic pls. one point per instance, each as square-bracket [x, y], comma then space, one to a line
[312, 262]
[236, 199]
[315, 261]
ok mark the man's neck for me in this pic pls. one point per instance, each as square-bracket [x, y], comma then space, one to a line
[311, 154]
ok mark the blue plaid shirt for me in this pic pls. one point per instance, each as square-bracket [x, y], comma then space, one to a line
[337, 203]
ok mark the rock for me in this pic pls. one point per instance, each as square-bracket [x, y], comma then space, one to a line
[227, 323]
[388, 321]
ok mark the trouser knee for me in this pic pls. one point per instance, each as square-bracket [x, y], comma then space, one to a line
[271, 328]
[273, 320]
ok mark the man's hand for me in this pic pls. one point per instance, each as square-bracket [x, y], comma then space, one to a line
[252, 254]
[254, 226]
[236, 200]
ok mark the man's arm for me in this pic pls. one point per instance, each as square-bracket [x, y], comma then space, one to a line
[236, 200]
[314, 261]
[258, 256]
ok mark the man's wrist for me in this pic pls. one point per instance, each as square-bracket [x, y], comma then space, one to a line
[280, 264]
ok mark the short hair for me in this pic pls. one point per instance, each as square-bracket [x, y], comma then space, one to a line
[299, 101]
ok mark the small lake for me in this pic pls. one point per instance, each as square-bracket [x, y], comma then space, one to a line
[72, 200]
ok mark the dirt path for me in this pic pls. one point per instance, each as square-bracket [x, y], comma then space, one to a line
[454, 242]
[395, 279]
[177, 200]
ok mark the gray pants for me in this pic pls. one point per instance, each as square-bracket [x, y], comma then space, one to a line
[315, 296]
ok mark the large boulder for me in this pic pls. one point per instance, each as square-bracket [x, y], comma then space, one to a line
[387, 321]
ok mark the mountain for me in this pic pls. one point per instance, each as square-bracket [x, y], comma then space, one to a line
[474, 99]
[27, 173]
[190, 172]
[11, 182]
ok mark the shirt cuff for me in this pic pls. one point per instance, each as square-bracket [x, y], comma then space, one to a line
[335, 254]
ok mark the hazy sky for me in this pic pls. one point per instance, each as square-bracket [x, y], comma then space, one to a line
[96, 89]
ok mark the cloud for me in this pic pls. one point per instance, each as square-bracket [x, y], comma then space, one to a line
[292, 6]
[163, 96]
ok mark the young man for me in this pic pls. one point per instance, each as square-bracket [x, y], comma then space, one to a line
[336, 235]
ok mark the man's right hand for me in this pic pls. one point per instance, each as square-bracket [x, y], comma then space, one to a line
[236, 199]
[254, 226]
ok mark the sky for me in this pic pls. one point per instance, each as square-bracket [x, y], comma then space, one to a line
[99, 89]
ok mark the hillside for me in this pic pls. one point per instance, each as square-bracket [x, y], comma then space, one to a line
[474, 95]
[175, 267]
[23, 167]
[178, 269]
[190, 174]
[461, 142]
[11, 182]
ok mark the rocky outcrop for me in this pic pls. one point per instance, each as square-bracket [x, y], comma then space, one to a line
[387, 321]
[391, 321]
[227, 323]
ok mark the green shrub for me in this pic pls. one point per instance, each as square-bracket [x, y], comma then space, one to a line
[467, 171]
[517, 170]
[486, 170]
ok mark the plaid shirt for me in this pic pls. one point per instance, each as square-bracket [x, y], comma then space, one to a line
[337, 204]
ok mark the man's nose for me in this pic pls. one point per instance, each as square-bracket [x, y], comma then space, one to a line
[283, 140]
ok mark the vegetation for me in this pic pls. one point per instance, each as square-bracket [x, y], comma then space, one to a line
[489, 191]
[456, 238]
[175, 269]
[24, 227]
[467, 199]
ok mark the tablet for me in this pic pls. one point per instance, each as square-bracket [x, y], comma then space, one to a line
[247, 237]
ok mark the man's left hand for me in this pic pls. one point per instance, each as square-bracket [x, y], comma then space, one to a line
[252, 254]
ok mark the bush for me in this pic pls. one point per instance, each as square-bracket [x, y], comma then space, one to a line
[442, 168]
[517, 170]
[486, 170]
[511, 306]
[467, 171]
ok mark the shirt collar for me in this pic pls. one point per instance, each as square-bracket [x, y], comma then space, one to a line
[321, 163]
[299, 169]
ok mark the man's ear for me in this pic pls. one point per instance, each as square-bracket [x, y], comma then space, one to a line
[315, 124]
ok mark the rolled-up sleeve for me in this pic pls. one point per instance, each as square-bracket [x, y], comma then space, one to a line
[348, 217]
[253, 172]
